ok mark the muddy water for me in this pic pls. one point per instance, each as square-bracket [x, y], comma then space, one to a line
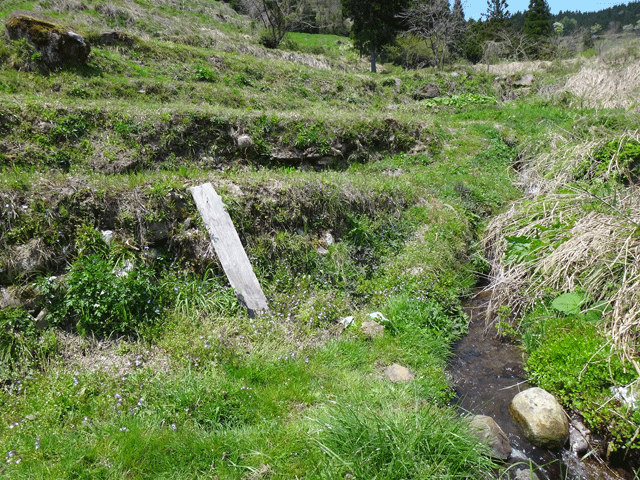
[486, 375]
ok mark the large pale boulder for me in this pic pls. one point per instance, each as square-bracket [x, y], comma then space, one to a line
[55, 44]
[541, 418]
[486, 430]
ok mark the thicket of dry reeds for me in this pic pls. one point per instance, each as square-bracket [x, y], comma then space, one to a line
[580, 241]
[599, 86]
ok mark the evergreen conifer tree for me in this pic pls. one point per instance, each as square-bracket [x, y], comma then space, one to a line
[537, 26]
[375, 24]
[537, 20]
[497, 10]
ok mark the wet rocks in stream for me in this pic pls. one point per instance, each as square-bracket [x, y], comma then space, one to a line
[487, 431]
[541, 418]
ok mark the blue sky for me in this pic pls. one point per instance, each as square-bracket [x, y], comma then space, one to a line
[473, 8]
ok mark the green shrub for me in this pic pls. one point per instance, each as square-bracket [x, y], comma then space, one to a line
[617, 160]
[571, 362]
[204, 74]
[21, 347]
[102, 298]
[412, 314]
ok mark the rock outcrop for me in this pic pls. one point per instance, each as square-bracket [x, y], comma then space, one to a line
[55, 45]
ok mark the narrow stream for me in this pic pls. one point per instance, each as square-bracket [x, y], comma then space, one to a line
[486, 375]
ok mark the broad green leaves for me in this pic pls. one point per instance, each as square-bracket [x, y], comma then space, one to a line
[569, 303]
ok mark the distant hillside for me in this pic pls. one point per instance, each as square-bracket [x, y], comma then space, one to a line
[619, 14]
[613, 17]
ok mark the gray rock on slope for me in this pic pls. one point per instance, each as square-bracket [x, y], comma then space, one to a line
[56, 45]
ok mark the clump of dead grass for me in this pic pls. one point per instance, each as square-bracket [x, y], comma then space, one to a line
[528, 66]
[604, 86]
[584, 243]
[553, 163]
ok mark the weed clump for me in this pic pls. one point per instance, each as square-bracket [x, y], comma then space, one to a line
[23, 348]
[101, 298]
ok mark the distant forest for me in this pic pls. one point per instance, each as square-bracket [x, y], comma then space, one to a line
[325, 16]
[432, 33]
[612, 18]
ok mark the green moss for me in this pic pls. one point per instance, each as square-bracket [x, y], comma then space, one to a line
[571, 362]
[39, 31]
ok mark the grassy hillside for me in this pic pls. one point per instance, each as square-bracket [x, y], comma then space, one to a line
[352, 193]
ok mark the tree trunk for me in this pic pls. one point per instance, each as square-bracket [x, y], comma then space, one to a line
[373, 60]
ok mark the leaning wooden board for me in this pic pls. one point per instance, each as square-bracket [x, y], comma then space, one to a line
[229, 249]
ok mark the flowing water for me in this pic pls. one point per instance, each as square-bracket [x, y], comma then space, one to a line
[486, 375]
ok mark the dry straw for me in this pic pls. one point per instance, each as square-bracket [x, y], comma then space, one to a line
[556, 160]
[580, 241]
[604, 87]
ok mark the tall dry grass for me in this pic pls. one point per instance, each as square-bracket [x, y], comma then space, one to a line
[553, 163]
[610, 79]
[604, 86]
[584, 241]
[580, 241]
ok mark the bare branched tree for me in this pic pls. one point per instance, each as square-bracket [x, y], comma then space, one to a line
[433, 22]
[491, 52]
[276, 16]
[511, 44]
[516, 44]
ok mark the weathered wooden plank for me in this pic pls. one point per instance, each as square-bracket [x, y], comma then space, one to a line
[229, 249]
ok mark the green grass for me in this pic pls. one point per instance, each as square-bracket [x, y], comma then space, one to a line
[260, 410]
[360, 440]
[391, 223]
[333, 46]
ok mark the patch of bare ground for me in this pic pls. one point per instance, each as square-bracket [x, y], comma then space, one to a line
[258, 51]
[117, 356]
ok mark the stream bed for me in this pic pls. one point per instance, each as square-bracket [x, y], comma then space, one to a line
[486, 374]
